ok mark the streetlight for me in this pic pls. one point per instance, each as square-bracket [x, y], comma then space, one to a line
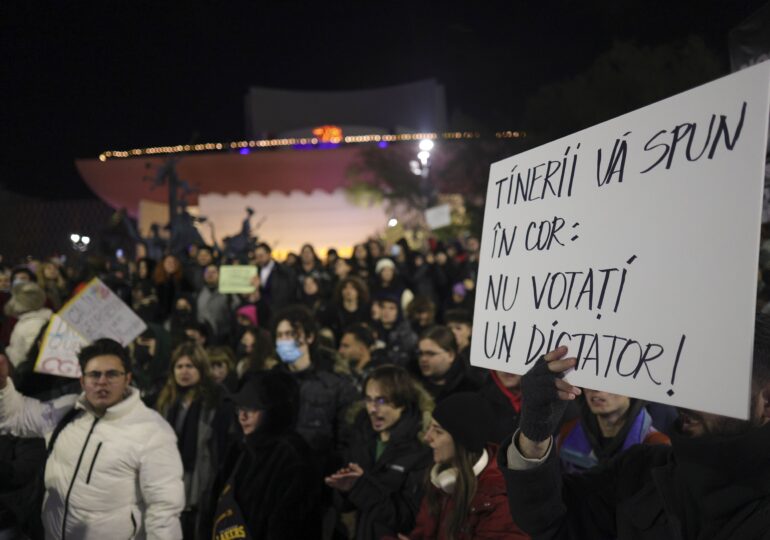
[421, 168]
[79, 242]
[426, 145]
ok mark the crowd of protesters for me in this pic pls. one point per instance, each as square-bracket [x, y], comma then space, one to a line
[335, 401]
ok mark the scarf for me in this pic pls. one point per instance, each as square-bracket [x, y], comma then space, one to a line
[187, 437]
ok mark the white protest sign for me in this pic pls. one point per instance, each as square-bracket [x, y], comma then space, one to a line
[236, 279]
[635, 243]
[96, 312]
[438, 216]
[59, 350]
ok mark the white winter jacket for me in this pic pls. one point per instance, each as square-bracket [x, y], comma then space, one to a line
[24, 333]
[114, 477]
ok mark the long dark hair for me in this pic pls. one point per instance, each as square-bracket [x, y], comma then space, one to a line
[464, 490]
[206, 387]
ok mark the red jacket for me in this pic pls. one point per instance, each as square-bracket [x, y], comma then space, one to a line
[489, 517]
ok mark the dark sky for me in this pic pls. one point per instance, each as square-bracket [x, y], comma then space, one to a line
[78, 78]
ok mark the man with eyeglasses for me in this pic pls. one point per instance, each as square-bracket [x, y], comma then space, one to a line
[113, 470]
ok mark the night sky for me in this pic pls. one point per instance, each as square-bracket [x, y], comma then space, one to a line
[115, 75]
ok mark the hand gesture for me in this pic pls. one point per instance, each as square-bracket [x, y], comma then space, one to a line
[344, 479]
[544, 394]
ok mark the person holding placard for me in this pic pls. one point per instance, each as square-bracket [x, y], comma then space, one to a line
[113, 469]
[713, 482]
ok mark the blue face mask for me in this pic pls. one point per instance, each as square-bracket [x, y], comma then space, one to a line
[288, 350]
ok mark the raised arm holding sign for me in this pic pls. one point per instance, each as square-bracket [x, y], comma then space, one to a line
[694, 303]
[635, 244]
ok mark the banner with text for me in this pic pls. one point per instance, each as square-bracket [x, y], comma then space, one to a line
[95, 312]
[237, 279]
[59, 350]
[635, 243]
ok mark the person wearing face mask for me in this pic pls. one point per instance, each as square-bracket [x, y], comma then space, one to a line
[325, 393]
[192, 403]
[383, 481]
[466, 496]
[267, 487]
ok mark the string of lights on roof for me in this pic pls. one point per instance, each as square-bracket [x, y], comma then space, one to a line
[336, 138]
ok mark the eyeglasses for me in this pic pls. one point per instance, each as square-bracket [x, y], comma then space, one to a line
[111, 375]
[377, 402]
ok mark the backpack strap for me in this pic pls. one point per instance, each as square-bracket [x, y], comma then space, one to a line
[73, 413]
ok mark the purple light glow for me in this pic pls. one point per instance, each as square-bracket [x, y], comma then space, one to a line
[382, 144]
[243, 151]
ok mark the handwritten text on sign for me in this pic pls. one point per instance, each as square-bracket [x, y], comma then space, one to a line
[634, 243]
[95, 312]
[59, 350]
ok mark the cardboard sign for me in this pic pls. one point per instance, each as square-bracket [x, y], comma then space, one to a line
[95, 312]
[635, 244]
[438, 216]
[236, 279]
[59, 350]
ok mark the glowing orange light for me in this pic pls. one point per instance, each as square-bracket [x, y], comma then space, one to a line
[330, 134]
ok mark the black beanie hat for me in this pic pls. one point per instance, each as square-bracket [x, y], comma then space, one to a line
[468, 419]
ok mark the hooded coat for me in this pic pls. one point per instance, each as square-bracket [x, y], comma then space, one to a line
[271, 472]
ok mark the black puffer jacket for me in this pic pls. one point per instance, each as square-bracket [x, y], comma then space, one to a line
[387, 497]
[324, 398]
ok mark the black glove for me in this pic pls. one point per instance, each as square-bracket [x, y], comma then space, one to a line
[541, 408]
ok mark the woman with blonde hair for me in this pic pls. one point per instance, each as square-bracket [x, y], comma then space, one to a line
[192, 403]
